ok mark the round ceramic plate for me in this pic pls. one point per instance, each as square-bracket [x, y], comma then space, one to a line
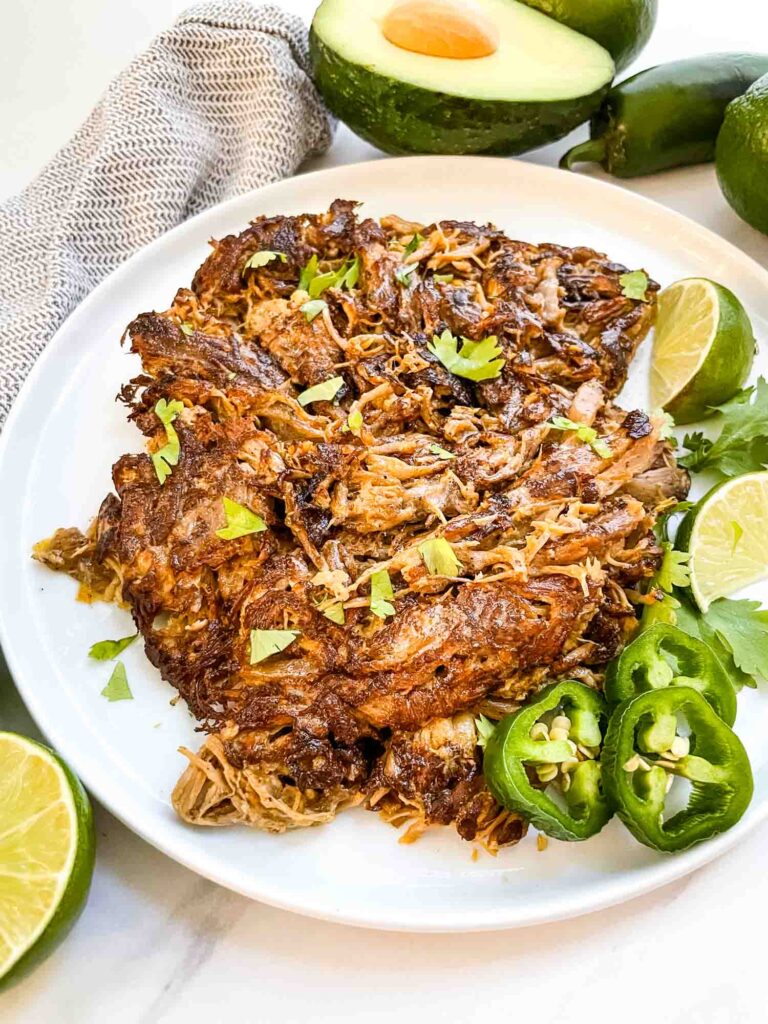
[65, 432]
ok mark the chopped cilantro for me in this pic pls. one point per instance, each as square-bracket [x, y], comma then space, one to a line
[382, 594]
[355, 422]
[313, 308]
[634, 285]
[168, 456]
[485, 729]
[262, 258]
[439, 557]
[476, 360]
[584, 433]
[187, 329]
[117, 688]
[346, 276]
[414, 244]
[240, 521]
[308, 272]
[441, 453]
[266, 642]
[324, 392]
[106, 650]
[404, 273]
[442, 278]
[335, 613]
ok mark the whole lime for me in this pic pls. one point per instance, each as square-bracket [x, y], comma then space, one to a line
[741, 155]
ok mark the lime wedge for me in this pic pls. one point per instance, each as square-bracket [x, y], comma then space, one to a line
[46, 853]
[726, 534]
[702, 350]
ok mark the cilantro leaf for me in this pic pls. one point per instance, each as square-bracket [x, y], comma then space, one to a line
[634, 285]
[308, 272]
[262, 258]
[742, 446]
[355, 422]
[187, 329]
[313, 308]
[382, 594]
[476, 360]
[106, 650]
[673, 571]
[439, 557]
[414, 244]
[661, 527]
[168, 456]
[346, 276]
[240, 521]
[266, 642]
[323, 392]
[485, 729]
[441, 453]
[404, 273]
[335, 612]
[117, 687]
[584, 433]
[742, 626]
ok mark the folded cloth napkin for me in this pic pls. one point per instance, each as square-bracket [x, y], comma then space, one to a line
[220, 103]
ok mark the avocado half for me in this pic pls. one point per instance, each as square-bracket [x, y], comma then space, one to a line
[543, 80]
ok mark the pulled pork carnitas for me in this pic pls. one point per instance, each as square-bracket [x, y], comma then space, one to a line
[549, 532]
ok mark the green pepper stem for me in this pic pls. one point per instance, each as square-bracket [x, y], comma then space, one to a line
[593, 150]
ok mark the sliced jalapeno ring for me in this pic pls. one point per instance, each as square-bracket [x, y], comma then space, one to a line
[638, 775]
[664, 655]
[554, 740]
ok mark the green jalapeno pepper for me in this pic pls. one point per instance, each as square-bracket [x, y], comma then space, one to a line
[663, 655]
[644, 752]
[554, 742]
[667, 116]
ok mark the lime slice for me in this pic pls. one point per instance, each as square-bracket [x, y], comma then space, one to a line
[46, 853]
[702, 350]
[726, 534]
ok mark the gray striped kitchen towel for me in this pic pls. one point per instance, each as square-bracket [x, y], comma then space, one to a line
[218, 104]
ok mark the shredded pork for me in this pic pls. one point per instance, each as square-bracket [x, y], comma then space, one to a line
[550, 533]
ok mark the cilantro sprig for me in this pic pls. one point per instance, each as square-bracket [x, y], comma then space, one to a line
[584, 433]
[742, 445]
[475, 360]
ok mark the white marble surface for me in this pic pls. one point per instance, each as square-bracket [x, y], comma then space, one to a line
[158, 944]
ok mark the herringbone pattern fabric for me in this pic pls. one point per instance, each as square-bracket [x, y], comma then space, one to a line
[218, 104]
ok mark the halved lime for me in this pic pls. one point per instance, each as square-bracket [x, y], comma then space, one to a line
[702, 350]
[726, 534]
[46, 853]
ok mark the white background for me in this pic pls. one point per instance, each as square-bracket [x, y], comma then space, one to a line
[156, 943]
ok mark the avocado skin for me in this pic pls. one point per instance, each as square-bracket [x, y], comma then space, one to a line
[741, 155]
[401, 118]
[622, 27]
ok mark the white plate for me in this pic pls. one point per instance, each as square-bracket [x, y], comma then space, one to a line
[66, 430]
